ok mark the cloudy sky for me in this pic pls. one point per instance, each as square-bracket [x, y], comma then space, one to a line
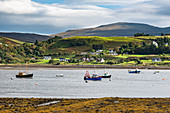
[54, 16]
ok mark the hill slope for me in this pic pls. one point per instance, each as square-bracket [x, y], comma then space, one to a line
[25, 37]
[116, 29]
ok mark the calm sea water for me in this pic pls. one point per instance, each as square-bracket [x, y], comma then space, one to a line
[72, 85]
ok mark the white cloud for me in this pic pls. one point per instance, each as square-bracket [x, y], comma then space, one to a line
[23, 13]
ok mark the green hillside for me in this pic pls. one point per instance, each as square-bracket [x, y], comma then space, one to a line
[129, 50]
[88, 41]
[5, 40]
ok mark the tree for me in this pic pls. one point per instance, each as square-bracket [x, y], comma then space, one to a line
[36, 42]
[162, 34]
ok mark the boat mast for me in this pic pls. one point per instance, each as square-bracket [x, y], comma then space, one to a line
[26, 68]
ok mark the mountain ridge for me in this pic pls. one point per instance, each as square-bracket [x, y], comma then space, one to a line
[25, 37]
[116, 29]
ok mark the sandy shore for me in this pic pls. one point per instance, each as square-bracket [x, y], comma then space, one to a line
[84, 66]
[102, 105]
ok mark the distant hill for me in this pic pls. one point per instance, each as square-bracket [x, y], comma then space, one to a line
[116, 29]
[25, 37]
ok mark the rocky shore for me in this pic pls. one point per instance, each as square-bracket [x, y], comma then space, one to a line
[100, 105]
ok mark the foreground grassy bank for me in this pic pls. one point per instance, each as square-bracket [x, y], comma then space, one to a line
[108, 105]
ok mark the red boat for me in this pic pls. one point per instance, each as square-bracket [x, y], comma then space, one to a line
[94, 77]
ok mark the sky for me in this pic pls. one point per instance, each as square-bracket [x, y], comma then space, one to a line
[55, 16]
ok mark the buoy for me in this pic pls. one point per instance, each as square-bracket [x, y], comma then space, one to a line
[11, 78]
[36, 84]
[86, 81]
[109, 79]
[163, 79]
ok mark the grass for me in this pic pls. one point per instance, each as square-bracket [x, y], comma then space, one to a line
[43, 61]
[115, 39]
[16, 41]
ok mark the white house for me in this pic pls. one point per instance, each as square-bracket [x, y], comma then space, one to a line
[47, 57]
[83, 53]
[92, 53]
[99, 50]
[155, 43]
[156, 60]
[63, 59]
[100, 60]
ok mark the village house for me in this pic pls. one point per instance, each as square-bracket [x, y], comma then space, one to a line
[85, 59]
[99, 51]
[92, 53]
[100, 60]
[155, 43]
[83, 53]
[156, 60]
[63, 60]
[112, 52]
[47, 57]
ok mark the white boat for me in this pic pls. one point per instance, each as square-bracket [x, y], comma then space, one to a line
[59, 75]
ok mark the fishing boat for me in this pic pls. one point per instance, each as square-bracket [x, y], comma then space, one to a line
[106, 75]
[134, 71]
[24, 74]
[94, 77]
[59, 75]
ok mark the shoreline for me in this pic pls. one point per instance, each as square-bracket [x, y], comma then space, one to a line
[101, 105]
[84, 66]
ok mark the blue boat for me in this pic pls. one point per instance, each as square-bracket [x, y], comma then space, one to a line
[134, 71]
[94, 77]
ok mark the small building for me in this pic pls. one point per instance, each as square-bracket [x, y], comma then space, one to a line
[63, 59]
[111, 51]
[47, 57]
[91, 59]
[99, 51]
[83, 53]
[85, 59]
[155, 43]
[156, 60]
[100, 60]
[92, 53]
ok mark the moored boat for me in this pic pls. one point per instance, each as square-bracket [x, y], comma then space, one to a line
[134, 71]
[156, 72]
[23, 75]
[59, 75]
[106, 75]
[94, 77]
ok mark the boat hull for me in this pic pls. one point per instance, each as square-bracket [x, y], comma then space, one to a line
[94, 79]
[109, 76]
[134, 71]
[24, 76]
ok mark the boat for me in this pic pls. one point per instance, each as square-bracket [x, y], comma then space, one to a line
[94, 77]
[59, 75]
[24, 74]
[106, 75]
[156, 72]
[134, 71]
